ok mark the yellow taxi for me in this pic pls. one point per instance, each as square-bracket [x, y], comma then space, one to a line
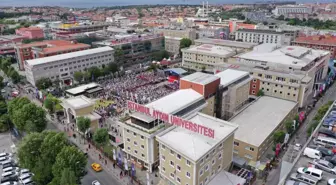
[96, 167]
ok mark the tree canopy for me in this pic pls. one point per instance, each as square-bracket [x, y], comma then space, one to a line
[43, 83]
[185, 42]
[101, 136]
[83, 123]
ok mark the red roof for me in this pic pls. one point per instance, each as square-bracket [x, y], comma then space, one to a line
[317, 39]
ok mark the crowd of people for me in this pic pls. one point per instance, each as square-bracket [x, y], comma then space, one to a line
[141, 88]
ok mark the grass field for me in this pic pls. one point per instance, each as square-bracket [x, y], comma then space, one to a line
[103, 103]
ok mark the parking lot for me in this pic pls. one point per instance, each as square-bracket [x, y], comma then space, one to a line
[304, 161]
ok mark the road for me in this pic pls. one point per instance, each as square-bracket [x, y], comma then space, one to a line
[301, 135]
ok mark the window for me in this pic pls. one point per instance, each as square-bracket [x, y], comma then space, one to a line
[142, 137]
[178, 156]
[202, 161]
[134, 134]
[127, 131]
[236, 143]
[172, 164]
[260, 75]
[171, 152]
[128, 148]
[142, 146]
[163, 169]
[219, 156]
[188, 174]
[206, 157]
[128, 140]
[268, 77]
[248, 156]
[163, 157]
[163, 147]
[249, 148]
[178, 180]
[201, 172]
[178, 168]
[280, 79]
[143, 155]
[135, 143]
[253, 86]
[220, 146]
[206, 180]
[172, 175]
[288, 94]
[206, 167]
[188, 163]
[135, 151]
[254, 80]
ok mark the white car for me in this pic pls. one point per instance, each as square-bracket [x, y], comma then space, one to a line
[24, 171]
[9, 169]
[313, 172]
[95, 182]
[332, 182]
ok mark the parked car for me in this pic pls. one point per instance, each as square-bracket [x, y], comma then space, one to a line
[95, 182]
[292, 182]
[10, 183]
[9, 169]
[331, 159]
[312, 153]
[324, 165]
[4, 159]
[325, 151]
[313, 172]
[332, 182]
[4, 154]
[9, 179]
[327, 132]
[304, 178]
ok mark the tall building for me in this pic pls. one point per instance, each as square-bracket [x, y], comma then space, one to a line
[283, 10]
[62, 67]
[291, 72]
[30, 32]
[323, 42]
[140, 129]
[46, 48]
[262, 36]
[172, 44]
[191, 158]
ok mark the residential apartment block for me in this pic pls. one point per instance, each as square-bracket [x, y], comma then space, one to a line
[172, 44]
[46, 48]
[194, 159]
[140, 130]
[257, 123]
[30, 32]
[240, 46]
[262, 36]
[62, 67]
[206, 56]
[291, 72]
[233, 92]
[213, 32]
[176, 32]
[323, 42]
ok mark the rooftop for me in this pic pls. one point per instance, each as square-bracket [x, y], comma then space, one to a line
[261, 31]
[295, 56]
[200, 78]
[66, 56]
[229, 76]
[30, 29]
[77, 102]
[176, 101]
[209, 49]
[82, 88]
[225, 177]
[227, 43]
[260, 119]
[65, 48]
[194, 145]
[318, 39]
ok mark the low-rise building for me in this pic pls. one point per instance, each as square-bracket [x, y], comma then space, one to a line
[257, 123]
[206, 56]
[323, 42]
[46, 48]
[182, 33]
[191, 158]
[80, 106]
[285, 9]
[213, 32]
[241, 46]
[206, 85]
[233, 92]
[62, 67]
[262, 36]
[30, 32]
[172, 44]
[87, 90]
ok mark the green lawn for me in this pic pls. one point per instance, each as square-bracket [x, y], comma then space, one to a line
[103, 103]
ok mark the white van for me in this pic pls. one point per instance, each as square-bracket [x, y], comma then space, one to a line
[312, 172]
[325, 141]
[312, 153]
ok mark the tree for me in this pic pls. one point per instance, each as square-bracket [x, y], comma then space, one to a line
[51, 103]
[16, 104]
[101, 136]
[279, 136]
[113, 67]
[43, 83]
[260, 93]
[289, 126]
[1, 82]
[68, 177]
[185, 42]
[281, 17]
[5, 123]
[83, 123]
[71, 158]
[30, 118]
[3, 107]
[95, 72]
[78, 76]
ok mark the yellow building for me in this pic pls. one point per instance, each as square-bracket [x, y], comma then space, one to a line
[80, 106]
[190, 158]
[258, 122]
